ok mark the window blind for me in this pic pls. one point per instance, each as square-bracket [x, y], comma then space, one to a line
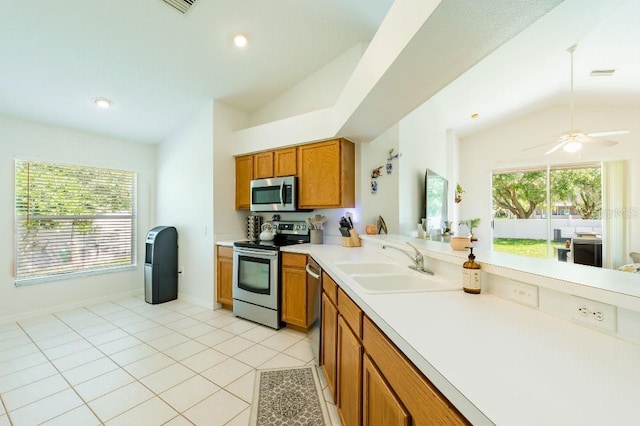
[71, 219]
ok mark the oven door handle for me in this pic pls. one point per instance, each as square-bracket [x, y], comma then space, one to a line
[257, 253]
[310, 272]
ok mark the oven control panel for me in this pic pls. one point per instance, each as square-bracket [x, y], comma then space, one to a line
[296, 228]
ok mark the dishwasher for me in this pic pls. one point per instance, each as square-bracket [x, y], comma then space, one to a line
[314, 291]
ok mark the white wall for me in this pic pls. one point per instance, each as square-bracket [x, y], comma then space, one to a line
[32, 141]
[502, 148]
[185, 200]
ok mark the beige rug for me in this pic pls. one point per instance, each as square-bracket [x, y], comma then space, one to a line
[288, 396]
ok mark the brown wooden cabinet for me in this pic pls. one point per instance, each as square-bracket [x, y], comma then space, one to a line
[380, 405]
[298, 294]
[224, 276]
[263, 165]
[285, 162]
[326, 174]
[375, 383]
[244, 175]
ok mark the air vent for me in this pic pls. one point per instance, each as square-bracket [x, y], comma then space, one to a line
[181, 5]
[602, 73]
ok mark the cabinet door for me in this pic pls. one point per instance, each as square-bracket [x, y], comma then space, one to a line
[349, 373]
[329, 342]
[326, 174]
[285, 162]
[380, 405]
[294, 296]
[244, 175]
[224, 277]
[263, 165]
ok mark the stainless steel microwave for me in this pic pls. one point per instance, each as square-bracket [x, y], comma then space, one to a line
[274, 194]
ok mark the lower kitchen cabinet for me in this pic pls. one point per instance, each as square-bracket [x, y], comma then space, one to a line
[375, 383]
[298, 308]
[224, 280]
[380, 405]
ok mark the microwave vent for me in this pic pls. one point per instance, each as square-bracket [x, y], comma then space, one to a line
[181, 5]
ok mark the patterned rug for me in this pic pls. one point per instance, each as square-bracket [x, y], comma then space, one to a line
[288, 396]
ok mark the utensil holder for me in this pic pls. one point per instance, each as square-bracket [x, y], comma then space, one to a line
[353, 240]
[316, 236]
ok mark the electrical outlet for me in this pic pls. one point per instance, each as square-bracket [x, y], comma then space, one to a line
[523, 293]
[594, 314]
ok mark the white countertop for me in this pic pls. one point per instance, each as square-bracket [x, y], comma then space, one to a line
[497, 361]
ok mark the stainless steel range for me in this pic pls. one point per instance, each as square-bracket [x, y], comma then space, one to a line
[256, 274]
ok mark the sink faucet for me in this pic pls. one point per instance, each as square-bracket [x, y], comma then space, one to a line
[418, 259]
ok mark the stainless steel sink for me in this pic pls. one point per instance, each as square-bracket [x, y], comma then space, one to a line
[351, 268]
[402, 283]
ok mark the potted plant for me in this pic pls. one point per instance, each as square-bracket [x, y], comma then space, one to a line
[471, 224]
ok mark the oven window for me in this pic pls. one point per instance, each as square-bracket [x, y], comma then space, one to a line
[254, 274]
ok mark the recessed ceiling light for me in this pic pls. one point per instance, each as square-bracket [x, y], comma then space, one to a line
[240, 40]
[475, 115]
[102, 102]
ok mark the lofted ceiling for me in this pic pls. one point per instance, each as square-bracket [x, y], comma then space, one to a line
[160, 66]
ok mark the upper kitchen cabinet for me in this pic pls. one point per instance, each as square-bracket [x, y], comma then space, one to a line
[326, 174]
[285, 162]
[244, 175]
[263, 165]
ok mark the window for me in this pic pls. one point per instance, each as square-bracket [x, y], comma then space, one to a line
[72, 219]
[539, 211]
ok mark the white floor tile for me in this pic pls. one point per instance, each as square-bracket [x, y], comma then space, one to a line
[226, 372]
[133, 318]
[9, 367]
[26, 376]
[334, 417]
[149, 365]
[301, 350]
[9, 331]
[152, 412]
[233, 346]
[197, 330]
[12, 342]
[52, 342]
[153, 333]
[167, 318]
[259, 333]
[4, 420]
[204, 360]
[185, 350]
[66, 349]
[243, 387]
[281, 361]
[189, 393]
[167, 378]
[178, 421]
[105, 308]
[89, 370]
[104, 384]
[139, 326]
[168, 341]
[118, 345]
[280, 341]
[239, 327]
[217, 409]
[109, 336]
[32, 392]
[214, 337]
[103, 326]
[256, 355]
[133, 354]
[241, 419]
[223, 320]
[81, 416]
[117, 402]
[45, 409]
[18, 352]
[208, 315]
[74, 360]
[183, 323]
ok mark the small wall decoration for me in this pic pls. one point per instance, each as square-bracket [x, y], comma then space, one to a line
[390, 158]
[376, 173]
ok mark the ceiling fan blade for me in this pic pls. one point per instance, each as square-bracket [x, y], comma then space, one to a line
[608, 133]
[557, 147]
[536, 146]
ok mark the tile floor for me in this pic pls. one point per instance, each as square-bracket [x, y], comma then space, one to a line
[127, 362]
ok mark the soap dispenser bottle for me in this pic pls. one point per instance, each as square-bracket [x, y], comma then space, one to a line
[471, 275]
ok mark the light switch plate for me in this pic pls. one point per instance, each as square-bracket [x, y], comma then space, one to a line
[525, 294]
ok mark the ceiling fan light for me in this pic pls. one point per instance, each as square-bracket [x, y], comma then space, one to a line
[572, 146]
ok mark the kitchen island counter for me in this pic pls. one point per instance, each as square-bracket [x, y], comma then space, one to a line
[497, 361]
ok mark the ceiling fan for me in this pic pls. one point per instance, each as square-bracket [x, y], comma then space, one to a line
[573, 140]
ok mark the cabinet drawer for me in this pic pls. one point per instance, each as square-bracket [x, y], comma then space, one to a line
[224, 251]
[425, 403]
[351, 312]
[330, 287]
[295, 260]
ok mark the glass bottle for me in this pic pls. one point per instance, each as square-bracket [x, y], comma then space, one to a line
[471, 275]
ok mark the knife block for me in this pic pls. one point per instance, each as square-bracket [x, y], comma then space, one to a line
[353, 240]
